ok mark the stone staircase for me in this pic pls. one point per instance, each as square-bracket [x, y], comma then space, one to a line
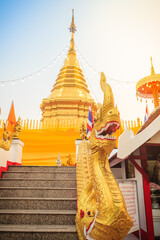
[38, 203]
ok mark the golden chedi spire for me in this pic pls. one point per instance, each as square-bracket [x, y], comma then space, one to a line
[70, 97]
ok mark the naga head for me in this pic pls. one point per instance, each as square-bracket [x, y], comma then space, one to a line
[107, 121]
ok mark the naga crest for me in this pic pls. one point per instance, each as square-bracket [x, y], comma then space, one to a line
[101, 210]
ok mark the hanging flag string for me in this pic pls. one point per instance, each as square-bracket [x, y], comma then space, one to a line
[98, 72]
[13, 81]
[90, 85]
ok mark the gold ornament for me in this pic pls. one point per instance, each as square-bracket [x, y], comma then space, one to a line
[17, 129]
[5, 143]
[69, 160]
[83, 131]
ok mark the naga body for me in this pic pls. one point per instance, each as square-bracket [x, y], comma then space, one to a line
[101, 210]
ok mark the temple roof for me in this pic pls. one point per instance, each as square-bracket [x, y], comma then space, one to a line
[150, 119]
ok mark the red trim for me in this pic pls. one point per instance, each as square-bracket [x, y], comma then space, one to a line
[136, 233]
[143, 152]
[89, 226]
[148, 207]
[114, 160]
[144, 174]
[139, 157]
[152, 144]
[5, 169]
[106, 139]
[106, 125]
[143, 234]
[147, 198]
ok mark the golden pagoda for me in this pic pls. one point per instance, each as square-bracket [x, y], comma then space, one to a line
[68, 104]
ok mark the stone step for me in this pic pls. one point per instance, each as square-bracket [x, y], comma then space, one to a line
[41, 168]
[70, 175]
[38, 203]
[31, 217]
[38, 232]
[32, 182]
[38, 192]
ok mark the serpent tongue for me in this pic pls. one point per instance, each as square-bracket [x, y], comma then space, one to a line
[111, 129]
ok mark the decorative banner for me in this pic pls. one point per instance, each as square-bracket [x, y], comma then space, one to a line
[129, 192]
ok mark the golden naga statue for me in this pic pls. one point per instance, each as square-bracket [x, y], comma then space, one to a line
[101, 209]
[6, 141]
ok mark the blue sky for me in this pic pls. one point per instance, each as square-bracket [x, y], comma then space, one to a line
[117, 37]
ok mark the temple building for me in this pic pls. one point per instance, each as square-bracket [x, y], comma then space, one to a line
[62, 115]
[68, 104]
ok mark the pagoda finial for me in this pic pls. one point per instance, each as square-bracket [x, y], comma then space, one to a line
[72, 30]
[152, 68]
[73, 26]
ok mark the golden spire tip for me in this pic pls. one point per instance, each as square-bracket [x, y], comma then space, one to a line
[73, 26]
[152, 68]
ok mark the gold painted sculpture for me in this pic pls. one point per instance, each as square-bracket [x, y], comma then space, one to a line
[69, 160]
[6, 141]
[83, 131]
[17, 129]
[101, 213]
